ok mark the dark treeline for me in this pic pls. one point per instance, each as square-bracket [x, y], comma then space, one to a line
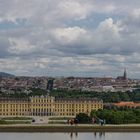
[118, 116]
[105, 96]
[129, 116]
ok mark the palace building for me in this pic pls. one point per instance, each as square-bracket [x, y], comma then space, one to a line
[14, 107]
[48, 106]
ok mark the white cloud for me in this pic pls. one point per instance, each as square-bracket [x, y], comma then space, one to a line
[91, 62]
[73, 9]
[69, 37]
[109, 30]
[20, 46]
[136, 13]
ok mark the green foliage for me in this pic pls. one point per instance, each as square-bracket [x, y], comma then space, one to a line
[17, 118]
[2, 122]
[105, 96]
[56, 122]
[37, 92]
[59, 118]
[83, 118]
[114, 116]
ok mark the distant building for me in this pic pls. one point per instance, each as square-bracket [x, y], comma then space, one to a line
[48, 106]
[14, 107]
[125, 74]
[124, 77]
[108, 88]
[50, 85]
[127, 104]
[71, 107]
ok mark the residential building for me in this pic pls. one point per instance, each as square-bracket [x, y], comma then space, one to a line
[127, 104]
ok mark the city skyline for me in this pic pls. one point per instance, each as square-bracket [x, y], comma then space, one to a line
[84, 38]
[123, 75]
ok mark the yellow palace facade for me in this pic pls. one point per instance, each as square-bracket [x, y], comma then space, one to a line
[48, 106]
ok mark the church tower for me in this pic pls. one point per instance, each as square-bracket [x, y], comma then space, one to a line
[125, 74]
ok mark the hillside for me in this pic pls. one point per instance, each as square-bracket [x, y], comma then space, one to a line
[3, 74]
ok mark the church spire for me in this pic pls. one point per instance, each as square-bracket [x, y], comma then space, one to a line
[125, 74]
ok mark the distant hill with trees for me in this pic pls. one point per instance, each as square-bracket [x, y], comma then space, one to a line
[3, 74]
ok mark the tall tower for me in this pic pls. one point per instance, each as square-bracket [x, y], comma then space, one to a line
[50, 85]
[125, 74]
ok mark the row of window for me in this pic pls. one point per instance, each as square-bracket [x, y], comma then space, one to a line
[21, 110]
[70, 110]
[42, 110]
[13, 114]
[92, 106]
[42, 114]
[41, 100]
[67, 114]
[42, 105]
[15, 101]
[72, 101]
[14, 105]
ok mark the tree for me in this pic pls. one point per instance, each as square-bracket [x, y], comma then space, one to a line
[83, 118]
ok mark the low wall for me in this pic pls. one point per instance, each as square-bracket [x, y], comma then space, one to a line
[66, 128]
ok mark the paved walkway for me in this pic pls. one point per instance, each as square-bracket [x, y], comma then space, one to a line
[86, 125]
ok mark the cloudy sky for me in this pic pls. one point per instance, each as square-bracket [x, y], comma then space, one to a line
[70, 37]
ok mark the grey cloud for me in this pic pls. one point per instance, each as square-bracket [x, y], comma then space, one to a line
[3, 47]
[69, 50]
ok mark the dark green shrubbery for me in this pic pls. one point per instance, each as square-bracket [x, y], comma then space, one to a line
[118, 116]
